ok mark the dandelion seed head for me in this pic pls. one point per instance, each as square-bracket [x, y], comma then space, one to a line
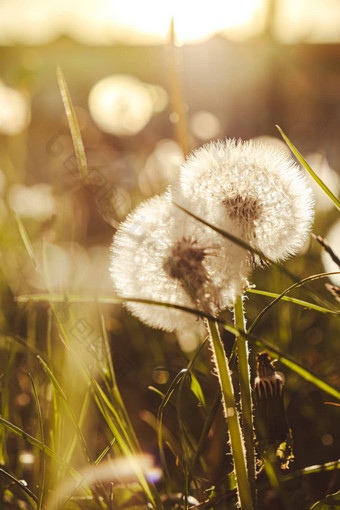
[251, 187]
[161, 253]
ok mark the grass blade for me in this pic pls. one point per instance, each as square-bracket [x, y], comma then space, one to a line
[38, 444]
[21, 485]
[264, 344]
[116, 427]
[73, 124]
[43, 470]
[231, 237]
[63, 397]
[304, 163]
[319, 468]
[251, 249]
[160, 414]
[287, 360]
[26, 240]
[295, 301]
[280, 296]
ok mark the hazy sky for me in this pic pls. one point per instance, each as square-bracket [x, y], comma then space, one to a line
[135, 21]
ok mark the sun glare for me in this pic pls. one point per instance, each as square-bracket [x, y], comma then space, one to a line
[193, 20]
[101, 21]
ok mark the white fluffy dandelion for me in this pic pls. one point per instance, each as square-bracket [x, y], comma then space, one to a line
[162, 254]
[256, 186]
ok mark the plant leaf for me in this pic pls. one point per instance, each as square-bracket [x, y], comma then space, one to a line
[295, 301]
[73, 124]
[331, 502]
[197, 390]
[304, 163]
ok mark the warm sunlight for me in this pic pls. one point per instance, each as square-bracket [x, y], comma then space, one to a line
[100, 21]
[193, 20]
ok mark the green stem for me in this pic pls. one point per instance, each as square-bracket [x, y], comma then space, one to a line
[229, 406]
[245, 390]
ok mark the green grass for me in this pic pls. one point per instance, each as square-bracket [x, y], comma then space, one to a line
[66, 400]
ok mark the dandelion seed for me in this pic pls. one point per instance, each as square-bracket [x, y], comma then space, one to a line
[161, 253]
[255, 186]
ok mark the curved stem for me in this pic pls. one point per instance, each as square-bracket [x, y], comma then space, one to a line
[230, 411]
[245, 390]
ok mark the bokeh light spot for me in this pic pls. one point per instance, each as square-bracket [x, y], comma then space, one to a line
[122, 105]
[205, 125]
[327, 439]
[35, 201]
[14, 111]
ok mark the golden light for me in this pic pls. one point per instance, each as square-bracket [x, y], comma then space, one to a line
[193, 20]
[119, 470]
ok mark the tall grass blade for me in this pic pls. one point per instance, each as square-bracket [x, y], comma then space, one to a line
[295, 301]
[280, 296]
[310, 470]
[287, 360]
[160, 414]
[20, 484]
[41, 426]
[38, 444]
[63, 397]
[73, 124]
[264, 344]
[304, 163]
[117, 428]
[26, 240]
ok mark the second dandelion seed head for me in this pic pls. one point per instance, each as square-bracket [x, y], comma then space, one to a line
[252, 187]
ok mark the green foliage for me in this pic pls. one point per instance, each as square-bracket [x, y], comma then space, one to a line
[331, 502]
[95, 402]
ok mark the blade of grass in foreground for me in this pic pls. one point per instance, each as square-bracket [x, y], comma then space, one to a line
[287, 360]
[43, 462]
[73, 124]
[20, 484]
[309, 470]
[280, 296]
[264, 344]
[304, 163]
[38, 444]
[295, 301]
[116, 426]
[160, 413]
[63, 398]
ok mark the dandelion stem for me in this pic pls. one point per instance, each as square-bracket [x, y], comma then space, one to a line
[245, 390]
[229, 405]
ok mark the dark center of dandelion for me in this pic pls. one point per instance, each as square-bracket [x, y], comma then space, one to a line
[185, 264]
[185, 261]
[243, 208]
